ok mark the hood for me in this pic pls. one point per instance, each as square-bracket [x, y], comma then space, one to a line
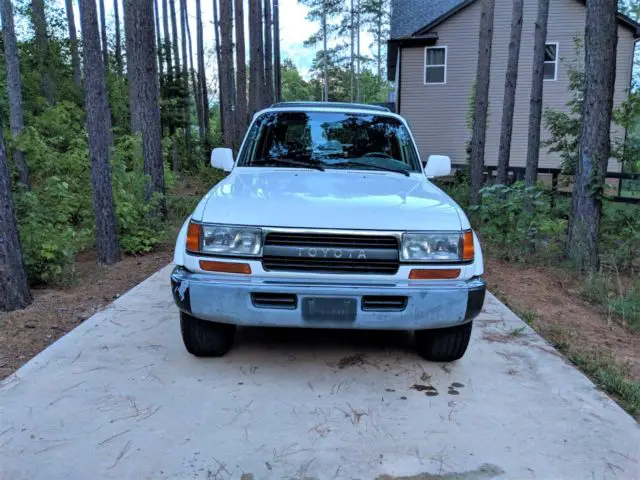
[279, 197]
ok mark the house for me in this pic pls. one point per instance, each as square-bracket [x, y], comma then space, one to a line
[433, 54]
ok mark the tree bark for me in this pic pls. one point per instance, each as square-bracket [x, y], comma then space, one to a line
[483, 75]
[185, 80]
[100, 137]
[510, 84]
[144, 62]
[535, 104]
[14, 286]
[116, 13]
[14, 89]
[276, 52]
[325, 59]
[174, 43]
[262, 85]
[256, 60]
[241, 71]
[268, 53]
[47, 85]
[352, 59]
[202, 77]
[73, 39]
[358, 65]
[227, 72]
[103, 36]
[601, 38]
[132, 70]
[159, 43]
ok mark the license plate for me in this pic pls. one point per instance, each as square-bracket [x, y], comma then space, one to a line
[327, 309]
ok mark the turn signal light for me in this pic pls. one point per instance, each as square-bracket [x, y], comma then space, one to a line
[434, 274]
[467, 246]
[225, 267]
[193, 237]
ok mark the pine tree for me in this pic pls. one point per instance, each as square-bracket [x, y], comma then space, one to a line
[47, 84]
[202, 77]
[268, 53]
[510, 84]
[601, 39]
[256, 59]
[535, 105]
[14, 89]
[73, 40]
[116, 13]
[483, 74]
[241, 71]
[103, 35]
[185, 78]
[277, 74]
[226, 72]
[100, 137]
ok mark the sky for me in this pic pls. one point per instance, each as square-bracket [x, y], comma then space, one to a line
[294, 30]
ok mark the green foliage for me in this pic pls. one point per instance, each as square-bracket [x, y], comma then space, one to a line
[511, 232]
[294, 87]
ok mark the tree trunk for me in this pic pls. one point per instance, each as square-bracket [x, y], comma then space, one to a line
[268, 53]
[261, 60]
[202, 77]
[116, 13]
[325, 59]
[535, 104]
[14, 90]
[276, 52]
[358, 71]
[132, 70]
[256, 63]
[510, 84]
[100, 138]
[379, 45]
[47, 85]
[196, 90]
[103, 36]
[185, 80]
[73, 38]
[483, 75]
[14, 287]
[216, 34]
[352, 59]
[174, 43]
[144, 62]
[601, 38]
[227, 71]
[241, 72]
[159, 43]
[167, 41]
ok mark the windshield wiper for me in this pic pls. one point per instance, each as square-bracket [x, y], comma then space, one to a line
[352, 163]
[293, 163]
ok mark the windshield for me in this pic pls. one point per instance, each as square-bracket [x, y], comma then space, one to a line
[330, 140]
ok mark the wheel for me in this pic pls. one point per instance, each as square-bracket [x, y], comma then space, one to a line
[206, 339]
[444, 344]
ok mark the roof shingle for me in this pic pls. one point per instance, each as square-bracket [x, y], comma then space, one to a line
[409, 16]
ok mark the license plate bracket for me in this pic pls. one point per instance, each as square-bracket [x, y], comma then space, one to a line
[329, 309]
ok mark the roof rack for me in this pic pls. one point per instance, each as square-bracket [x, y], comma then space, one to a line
[360, 106]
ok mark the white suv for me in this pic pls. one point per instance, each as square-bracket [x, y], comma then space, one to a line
[328, 219]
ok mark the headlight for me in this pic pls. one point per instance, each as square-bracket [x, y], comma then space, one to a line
[229, 240]
[437, 247]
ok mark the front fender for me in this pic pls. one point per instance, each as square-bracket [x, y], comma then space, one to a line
[181, 243]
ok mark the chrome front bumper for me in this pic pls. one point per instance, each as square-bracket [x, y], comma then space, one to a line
[230, 299]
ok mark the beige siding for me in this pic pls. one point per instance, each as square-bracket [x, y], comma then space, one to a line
[438, 114]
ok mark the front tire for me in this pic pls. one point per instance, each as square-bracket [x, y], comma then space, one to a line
[444, 344]
[206, 339]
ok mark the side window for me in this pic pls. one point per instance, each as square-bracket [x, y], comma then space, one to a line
[435, 65]
[551, 61]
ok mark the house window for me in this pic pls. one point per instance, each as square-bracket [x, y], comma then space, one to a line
[551, 61]
[435, 65]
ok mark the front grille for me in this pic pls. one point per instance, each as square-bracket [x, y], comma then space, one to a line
[331, 253]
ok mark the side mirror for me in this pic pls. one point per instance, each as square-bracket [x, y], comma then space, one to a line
[438, 166]
[222, 159]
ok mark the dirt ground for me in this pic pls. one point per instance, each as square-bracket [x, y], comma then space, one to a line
[550, 295]
[56, 311]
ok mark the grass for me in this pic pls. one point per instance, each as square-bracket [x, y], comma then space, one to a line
[624, 305]
[611, 376]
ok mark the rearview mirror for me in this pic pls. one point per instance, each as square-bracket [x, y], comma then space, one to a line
[222, 159]
[438, 166]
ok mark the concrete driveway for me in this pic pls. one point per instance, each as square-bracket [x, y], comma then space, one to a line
[120, 398]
